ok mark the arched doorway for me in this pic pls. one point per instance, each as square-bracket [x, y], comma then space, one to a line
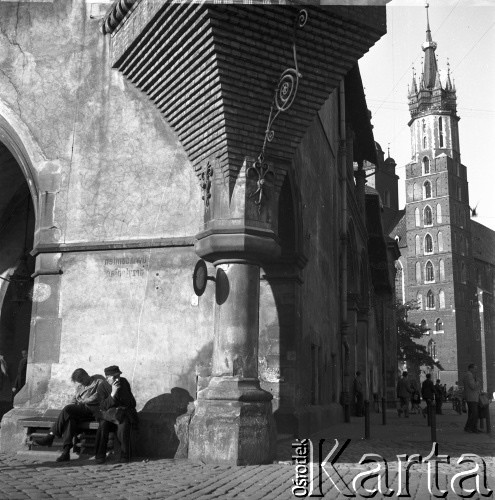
[17, 220]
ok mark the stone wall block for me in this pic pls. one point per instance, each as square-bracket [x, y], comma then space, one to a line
[233, 432]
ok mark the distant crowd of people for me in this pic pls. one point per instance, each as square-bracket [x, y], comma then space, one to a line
[465, 398]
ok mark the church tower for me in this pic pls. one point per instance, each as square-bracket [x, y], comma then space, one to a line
[439, 255]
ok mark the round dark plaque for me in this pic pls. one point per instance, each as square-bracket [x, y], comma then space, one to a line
[200, 277]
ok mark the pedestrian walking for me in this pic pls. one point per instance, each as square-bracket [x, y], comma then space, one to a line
[20, 380]
[404, 395]
[358, 394]
[427, 393]
[471, 395]
[4, 371]
[438, 397]
[415, 400]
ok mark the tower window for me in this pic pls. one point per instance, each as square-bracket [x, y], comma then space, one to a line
[387, 199]
[440, 241]
[428, 244]
[418, 273]
[427, 189]
[438, 326]
[424, 142]
[430, 300]
[418, 245]
[424, 326]
[428, 216]
[432, 350]
[419, 300]
[440, 131]
[417, 217]
[442, 270]
[439, 212]
[441, 299]
[429, 272]
[463, 272]
[426, 165]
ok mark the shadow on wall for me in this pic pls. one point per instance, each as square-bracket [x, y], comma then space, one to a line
[157, 437]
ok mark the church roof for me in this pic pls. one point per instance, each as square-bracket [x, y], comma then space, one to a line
[397, 228]
[483, 239]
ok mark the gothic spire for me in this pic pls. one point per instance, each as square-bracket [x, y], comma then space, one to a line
[413, 90]
[430, 70]
[448, 83]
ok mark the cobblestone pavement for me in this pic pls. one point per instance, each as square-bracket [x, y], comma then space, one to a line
[24, 478]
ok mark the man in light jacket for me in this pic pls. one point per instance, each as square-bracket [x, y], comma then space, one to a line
[471, 395]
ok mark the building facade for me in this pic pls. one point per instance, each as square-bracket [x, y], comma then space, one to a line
[443, 250]
[139, 136]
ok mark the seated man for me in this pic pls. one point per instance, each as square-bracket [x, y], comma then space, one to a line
[118, 413]
[90, 392]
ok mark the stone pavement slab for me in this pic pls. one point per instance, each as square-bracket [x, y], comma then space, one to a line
[24, 478]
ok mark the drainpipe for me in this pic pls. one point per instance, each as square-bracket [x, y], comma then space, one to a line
[344, 326]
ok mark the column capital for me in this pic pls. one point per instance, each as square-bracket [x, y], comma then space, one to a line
[241, 217]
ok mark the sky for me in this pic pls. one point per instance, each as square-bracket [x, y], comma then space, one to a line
[465, 34]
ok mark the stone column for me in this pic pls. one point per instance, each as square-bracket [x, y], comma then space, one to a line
[233, 421]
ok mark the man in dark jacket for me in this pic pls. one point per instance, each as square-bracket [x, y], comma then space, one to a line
[90, 391]
[118, 413]
[404, 395]
[427, 392]
[20, 380]
[358, 394]
[438, 397]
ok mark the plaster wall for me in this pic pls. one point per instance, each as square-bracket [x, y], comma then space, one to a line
[113, 165]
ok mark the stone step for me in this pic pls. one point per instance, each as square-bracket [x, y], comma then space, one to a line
[47, 454]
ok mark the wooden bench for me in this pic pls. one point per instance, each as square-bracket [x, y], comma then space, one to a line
[38, 427]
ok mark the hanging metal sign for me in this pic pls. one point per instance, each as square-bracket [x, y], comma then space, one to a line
[200, 277]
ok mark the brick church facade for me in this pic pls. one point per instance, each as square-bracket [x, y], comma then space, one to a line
[447, 264]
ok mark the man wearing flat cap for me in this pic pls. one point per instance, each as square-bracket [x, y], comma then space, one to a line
[118, 413]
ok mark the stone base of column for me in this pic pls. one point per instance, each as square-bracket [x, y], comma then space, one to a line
[233, 432]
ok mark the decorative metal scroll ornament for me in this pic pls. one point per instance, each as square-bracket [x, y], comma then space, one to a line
[285, 93]
[205, 182]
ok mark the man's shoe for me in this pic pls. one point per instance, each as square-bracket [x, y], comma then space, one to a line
[468, 430]
[65, 457]
[477, 431]
[123, 460]
[44, 441]
[99, 460]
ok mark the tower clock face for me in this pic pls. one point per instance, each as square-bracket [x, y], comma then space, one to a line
[200, 277]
